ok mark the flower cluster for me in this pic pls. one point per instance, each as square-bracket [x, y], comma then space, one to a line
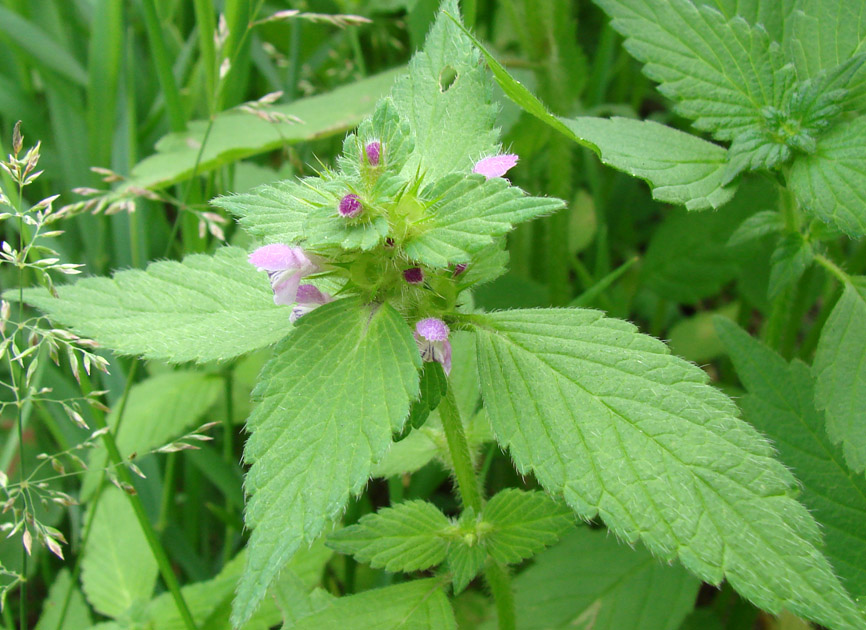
[287, 265]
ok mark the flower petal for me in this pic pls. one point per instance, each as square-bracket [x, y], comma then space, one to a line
[495, 165]
[432, 329]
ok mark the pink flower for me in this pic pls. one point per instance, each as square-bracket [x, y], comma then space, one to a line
[373, 151]
[286, 266]
[308, 298]
[431, 335]
[495, 165]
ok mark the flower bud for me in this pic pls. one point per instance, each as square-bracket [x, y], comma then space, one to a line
[350, 206]
[413, 275]
[373, 151]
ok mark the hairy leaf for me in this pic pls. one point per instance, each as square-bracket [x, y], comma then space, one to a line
[522, 524]
[591, 580]
[831, 184]
[205, 308]
[416, 605]
[447, 98]
[780, 404]
[840, 371]
[789, 261]
[467, 212]
[679, 168]
[407, 537]
[118, 567]
[465, 561]
[721, 72]
[330, 398]
[608, 419]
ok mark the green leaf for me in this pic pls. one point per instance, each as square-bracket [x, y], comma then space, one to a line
[77, 614]
[467, 212]
[831, 184]
[688, 257]
[780, 404]
[756, 226]
[465, 558]
[158, 410]
[330, 398]
[433, 386]
[454, 123]
[606, 418]
[118, 567]
[522, 524]
[385, 126]
[43, 48]
[591, 580]
[720, 71]
[789, 261]
[825, 34]
[416, 605]
[407, 537]
[235, 135]
[679, 168]
[205, 308]
[840, 373]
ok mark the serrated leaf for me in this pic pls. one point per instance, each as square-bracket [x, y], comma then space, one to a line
[720, 71]
[467, 212]
[780, 404]
[416, 605]
[840, 372]
[606, 418]
[523, 523]
[831, 184]
[77, 614]
[118, 567]
[679, 168]
[454, 123]
[789, 261]
[590, 580]
[406, 537]
[464, 562]
[330, 398]
[386, 127]
[157, 410]
[206, 308]
[758, 225]
[433, 386]
[688, 257]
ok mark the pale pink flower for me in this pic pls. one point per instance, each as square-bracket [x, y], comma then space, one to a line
[431, 335]
[286, 266]
[308, 298]
[495, 165]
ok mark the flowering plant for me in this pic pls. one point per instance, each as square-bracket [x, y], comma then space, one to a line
[368, 306]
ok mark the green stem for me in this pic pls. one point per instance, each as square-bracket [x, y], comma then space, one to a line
[500, 586]
[147, 528]
[22, 592]
[464, 471]
[833, 268]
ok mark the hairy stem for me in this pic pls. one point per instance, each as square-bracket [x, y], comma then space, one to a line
[464, 471]
[500, 586]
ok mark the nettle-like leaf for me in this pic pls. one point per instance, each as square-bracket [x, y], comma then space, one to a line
[831, 183]
[467, 212]
[591, 580]
[466, 554]
[522, 524]
[386, 126]
[679, 168]
[608, 419]
[780, 403]
[433, 386]
[790, 259]
[840, 371]
[118, 568]
[205, 308]
[410, 536]
[330, 398]
[447, 99]
[720, 71]
[416, 605]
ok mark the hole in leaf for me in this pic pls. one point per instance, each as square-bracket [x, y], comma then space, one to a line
[447, 77]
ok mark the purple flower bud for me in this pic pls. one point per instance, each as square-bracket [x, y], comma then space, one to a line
[458, 269]
[309, 298]
[431, 335]
[413, 275]
[350, 206]
[285, 267]
[495, 165]
[373, 150]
